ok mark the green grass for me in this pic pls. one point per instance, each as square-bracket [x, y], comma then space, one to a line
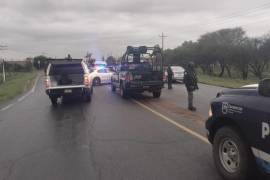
[16, 84]
[224, 81]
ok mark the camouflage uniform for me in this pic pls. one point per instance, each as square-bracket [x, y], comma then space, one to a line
[170, 76]
[191, 83]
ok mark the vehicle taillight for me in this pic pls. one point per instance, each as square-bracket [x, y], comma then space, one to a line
[86, 80]
[129, 77]
[47, 82]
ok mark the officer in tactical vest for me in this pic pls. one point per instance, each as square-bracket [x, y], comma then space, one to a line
[191, 83]
[170, 77]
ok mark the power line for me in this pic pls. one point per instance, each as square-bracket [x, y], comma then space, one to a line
[262, 9]
[250, 10]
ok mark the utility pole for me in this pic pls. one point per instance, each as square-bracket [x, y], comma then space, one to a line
[162, 36]
[162, 40]
[4, 72]
[3, 65]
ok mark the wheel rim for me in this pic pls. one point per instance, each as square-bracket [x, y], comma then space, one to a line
[229, 155]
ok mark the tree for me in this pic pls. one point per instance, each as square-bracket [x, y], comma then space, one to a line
[219, 47]
[182, 54]
[241, 58]
[111, 61]
[28, 65]
[40, 62]
[259, 48]
[89, 60]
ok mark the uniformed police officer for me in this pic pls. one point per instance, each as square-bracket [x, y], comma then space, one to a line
[191, 83]
[170, 76]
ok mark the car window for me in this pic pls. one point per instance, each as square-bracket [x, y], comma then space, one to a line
[102, 71]
[177, 68]
[61, 69]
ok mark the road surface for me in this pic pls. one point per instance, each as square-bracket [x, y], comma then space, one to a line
[107, 139]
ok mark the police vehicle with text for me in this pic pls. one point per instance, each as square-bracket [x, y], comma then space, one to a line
[239, 130]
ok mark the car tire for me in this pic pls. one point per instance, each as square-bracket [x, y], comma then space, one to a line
[97, 81]
[123, 92]
[232, 156]
[54, 101]
[156, 94]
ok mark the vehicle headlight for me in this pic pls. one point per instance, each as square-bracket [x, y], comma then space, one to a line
[210, 113]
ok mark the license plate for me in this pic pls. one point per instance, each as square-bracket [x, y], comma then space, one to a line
[68, 91]
[146, 87]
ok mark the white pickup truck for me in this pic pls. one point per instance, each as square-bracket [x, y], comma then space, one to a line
[68, 78]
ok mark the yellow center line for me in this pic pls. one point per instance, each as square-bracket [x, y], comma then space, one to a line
[183, 128]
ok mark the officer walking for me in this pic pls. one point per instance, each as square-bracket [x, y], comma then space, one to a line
[191, 83]
[170, 76]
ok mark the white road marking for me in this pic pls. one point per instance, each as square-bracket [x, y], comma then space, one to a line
[35, 85]
[7, 107]
[30, 92]
[183, 128]
[24, 96]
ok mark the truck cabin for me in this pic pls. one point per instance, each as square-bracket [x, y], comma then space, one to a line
[142, 58]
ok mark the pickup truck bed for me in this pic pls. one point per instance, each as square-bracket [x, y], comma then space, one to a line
[68, 78]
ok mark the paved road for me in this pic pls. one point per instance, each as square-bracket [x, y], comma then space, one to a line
[110, 138]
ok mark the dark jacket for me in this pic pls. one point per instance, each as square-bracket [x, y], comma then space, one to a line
[169, 71]
[190, 80]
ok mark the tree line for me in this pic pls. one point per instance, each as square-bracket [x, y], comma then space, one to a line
[225, 51]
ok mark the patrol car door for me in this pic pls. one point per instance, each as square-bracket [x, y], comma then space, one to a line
[257, 127]
[102, 75]
[107, 75]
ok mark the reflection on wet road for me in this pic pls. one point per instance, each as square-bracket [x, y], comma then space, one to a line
[109, 138]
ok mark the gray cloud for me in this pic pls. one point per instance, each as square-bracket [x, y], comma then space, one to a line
[31, 27]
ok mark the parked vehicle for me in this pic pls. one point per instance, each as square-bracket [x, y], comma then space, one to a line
[101, 76]
[100, 64]
[68, 78]
[178, 74]
[239, 130]
[141, 69]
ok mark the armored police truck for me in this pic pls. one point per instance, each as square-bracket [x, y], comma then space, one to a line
[239, 130]
[141, 69]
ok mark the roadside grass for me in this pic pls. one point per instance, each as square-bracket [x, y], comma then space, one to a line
[16, 84]
[225, 81]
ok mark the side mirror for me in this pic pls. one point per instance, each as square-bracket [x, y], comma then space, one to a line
[264, 87]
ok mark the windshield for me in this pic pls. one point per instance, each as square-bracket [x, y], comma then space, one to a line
[177, 68]
[66, 69]
[139, 58]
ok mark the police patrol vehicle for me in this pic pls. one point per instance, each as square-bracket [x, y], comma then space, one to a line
[239, 130]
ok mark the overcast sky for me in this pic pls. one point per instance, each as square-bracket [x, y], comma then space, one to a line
[58, 27]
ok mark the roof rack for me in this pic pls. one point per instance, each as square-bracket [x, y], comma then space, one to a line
[64, 61]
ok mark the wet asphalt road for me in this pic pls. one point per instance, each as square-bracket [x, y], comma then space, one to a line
[109, 138]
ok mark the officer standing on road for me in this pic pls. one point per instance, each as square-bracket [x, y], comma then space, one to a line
[191, 82]
[170, 76]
